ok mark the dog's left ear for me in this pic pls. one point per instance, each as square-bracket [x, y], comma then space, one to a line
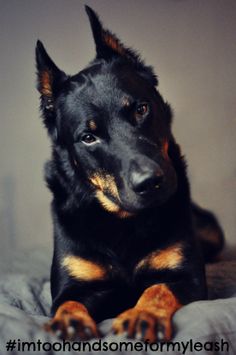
[50, 79]
[49, 75]
[109, 46]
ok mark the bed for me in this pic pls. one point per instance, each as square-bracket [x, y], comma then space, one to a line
[201, 327]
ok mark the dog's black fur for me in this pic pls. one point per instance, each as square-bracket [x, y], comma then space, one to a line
[119, 183]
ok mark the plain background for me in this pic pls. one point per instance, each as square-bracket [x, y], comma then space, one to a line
[191, 45]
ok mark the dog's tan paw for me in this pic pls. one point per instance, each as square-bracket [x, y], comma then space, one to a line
[142, 325]
[71, 327]
[72, 321]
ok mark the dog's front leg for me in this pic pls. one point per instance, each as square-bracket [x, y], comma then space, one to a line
[167, 279]
[150, 319]
[72, 320]
[83, 293]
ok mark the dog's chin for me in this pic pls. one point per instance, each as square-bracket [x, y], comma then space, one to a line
[137, 204]
[130, 204]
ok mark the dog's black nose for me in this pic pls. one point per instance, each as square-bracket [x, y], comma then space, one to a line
[146, 181]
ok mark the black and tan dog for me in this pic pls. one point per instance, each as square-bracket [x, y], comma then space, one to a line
[125, 230]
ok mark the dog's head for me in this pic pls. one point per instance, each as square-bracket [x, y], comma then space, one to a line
[111, 123]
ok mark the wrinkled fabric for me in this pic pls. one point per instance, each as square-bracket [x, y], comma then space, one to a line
[25, 306]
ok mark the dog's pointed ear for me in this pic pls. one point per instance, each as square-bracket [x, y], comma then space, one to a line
[49, 75]
[107, 44]
[49, 80]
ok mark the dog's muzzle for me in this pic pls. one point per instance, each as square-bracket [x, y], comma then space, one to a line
[146, 177]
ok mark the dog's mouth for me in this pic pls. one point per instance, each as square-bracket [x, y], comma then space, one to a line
[112, 206]
[107, 194]
[124, 203]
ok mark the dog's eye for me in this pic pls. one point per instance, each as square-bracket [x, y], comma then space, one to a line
[88, 138]
[142, 109]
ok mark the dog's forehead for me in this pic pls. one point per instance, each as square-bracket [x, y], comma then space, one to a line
[104, 87]
[108, 86]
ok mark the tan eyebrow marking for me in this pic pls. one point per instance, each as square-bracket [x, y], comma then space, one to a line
[169, 258]
[92, 125]
[83, 269]
[126, 102]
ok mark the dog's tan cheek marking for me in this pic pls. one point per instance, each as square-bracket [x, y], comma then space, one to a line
[110, 185]
[96, 181]
[105, 182]
[169, 258]
[124, 214]
[46, 83]
[83, 269]
[110, 206]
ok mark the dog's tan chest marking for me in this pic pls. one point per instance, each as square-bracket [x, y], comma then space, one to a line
[83, 269]
[169, 258]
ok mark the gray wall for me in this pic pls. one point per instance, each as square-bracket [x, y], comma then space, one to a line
[192, 46]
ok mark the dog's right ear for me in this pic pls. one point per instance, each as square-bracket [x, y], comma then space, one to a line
[109, 46]
[49, 80]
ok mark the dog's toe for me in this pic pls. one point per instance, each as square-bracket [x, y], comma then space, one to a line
[142, 325]
[71, 327]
